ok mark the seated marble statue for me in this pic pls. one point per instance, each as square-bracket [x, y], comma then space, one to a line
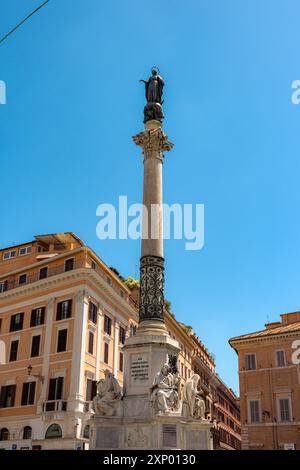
[108, 394]
[164, 396]
[192, 399]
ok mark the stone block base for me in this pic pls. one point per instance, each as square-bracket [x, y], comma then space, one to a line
[161, 432]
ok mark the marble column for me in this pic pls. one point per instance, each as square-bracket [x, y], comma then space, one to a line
[153, 142]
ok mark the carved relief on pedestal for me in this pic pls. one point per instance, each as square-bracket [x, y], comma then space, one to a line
[152, 288]
[109, 393]
[137, 437]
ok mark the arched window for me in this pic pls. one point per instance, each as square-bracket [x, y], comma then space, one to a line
[4, 434]
[53, 431]
[86, 431]
[27, 432]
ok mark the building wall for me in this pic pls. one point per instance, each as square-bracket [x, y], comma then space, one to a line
[266, 385]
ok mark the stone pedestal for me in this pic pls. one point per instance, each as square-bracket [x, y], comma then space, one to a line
[161, 432]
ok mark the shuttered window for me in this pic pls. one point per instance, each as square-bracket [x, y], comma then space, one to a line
[35, 346]
[56, 388]
[28, 393]
[13, 355]
[62, 340]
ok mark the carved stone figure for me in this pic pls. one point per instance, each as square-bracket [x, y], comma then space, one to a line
[164, 396]
[193, 403]
[154, 91]
[108, 394]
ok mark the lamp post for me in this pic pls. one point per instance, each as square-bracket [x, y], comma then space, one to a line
[41, 378]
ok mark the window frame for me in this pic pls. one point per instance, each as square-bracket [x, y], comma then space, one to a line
[284, 358]
[247, 355]
[254, 400]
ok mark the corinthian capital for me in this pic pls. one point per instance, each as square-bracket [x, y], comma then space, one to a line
[153, 142]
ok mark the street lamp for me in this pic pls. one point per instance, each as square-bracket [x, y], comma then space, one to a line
[37, 376]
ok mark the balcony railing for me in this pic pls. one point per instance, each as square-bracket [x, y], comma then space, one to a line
[54, 405]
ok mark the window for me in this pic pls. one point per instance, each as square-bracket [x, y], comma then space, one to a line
[121, 362]
[56, 388]
[37, 316]
[86, 432]
[91, 342]
[93, 312]
[254, 411]
[3, 286]
[53, 431]
[7, 397]
[27, 432]
[69, 264]
[250, 361]
[280, 358]
[16, 322]
[284, 409]
[13, 351]
[64, 310]
[4, 434]
[25, 250]
[106, 352]
[107, 325]
[93, 265]
[22, 279]
[62, 340]
[28, 393]
[35, 346]
[43, 273]
[122, 335]
[91, 389]
[9, 254]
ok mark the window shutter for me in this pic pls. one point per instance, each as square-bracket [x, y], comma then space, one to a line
[43, 316]
[2, 396]
[31, 393]
[35, 346]
[69, 308]
[58, 311]
[13, 394]
[59, 389]
[25, 393]
[52, 386]
[94, 388]
[89, 384]
[21, 320]
[33, 318]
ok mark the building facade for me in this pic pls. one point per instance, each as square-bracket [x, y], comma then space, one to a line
[269, 376]
[64, 317]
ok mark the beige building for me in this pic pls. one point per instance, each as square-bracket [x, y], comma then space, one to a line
[64, 317]
[269, 376]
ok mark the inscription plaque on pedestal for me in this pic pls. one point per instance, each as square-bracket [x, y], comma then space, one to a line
[139, 370]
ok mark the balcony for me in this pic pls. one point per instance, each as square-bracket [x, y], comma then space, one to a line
[54, 405]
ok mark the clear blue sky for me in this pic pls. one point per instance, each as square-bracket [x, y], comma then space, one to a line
[74, 101]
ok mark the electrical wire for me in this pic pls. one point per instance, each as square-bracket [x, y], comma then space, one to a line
[23, 21]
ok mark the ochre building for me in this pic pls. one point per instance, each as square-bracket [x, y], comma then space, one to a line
[269, 376]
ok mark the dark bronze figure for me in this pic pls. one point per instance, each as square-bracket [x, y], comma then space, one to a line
[154, 91]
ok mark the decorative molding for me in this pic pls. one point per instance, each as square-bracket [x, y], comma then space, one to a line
[152, 288]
